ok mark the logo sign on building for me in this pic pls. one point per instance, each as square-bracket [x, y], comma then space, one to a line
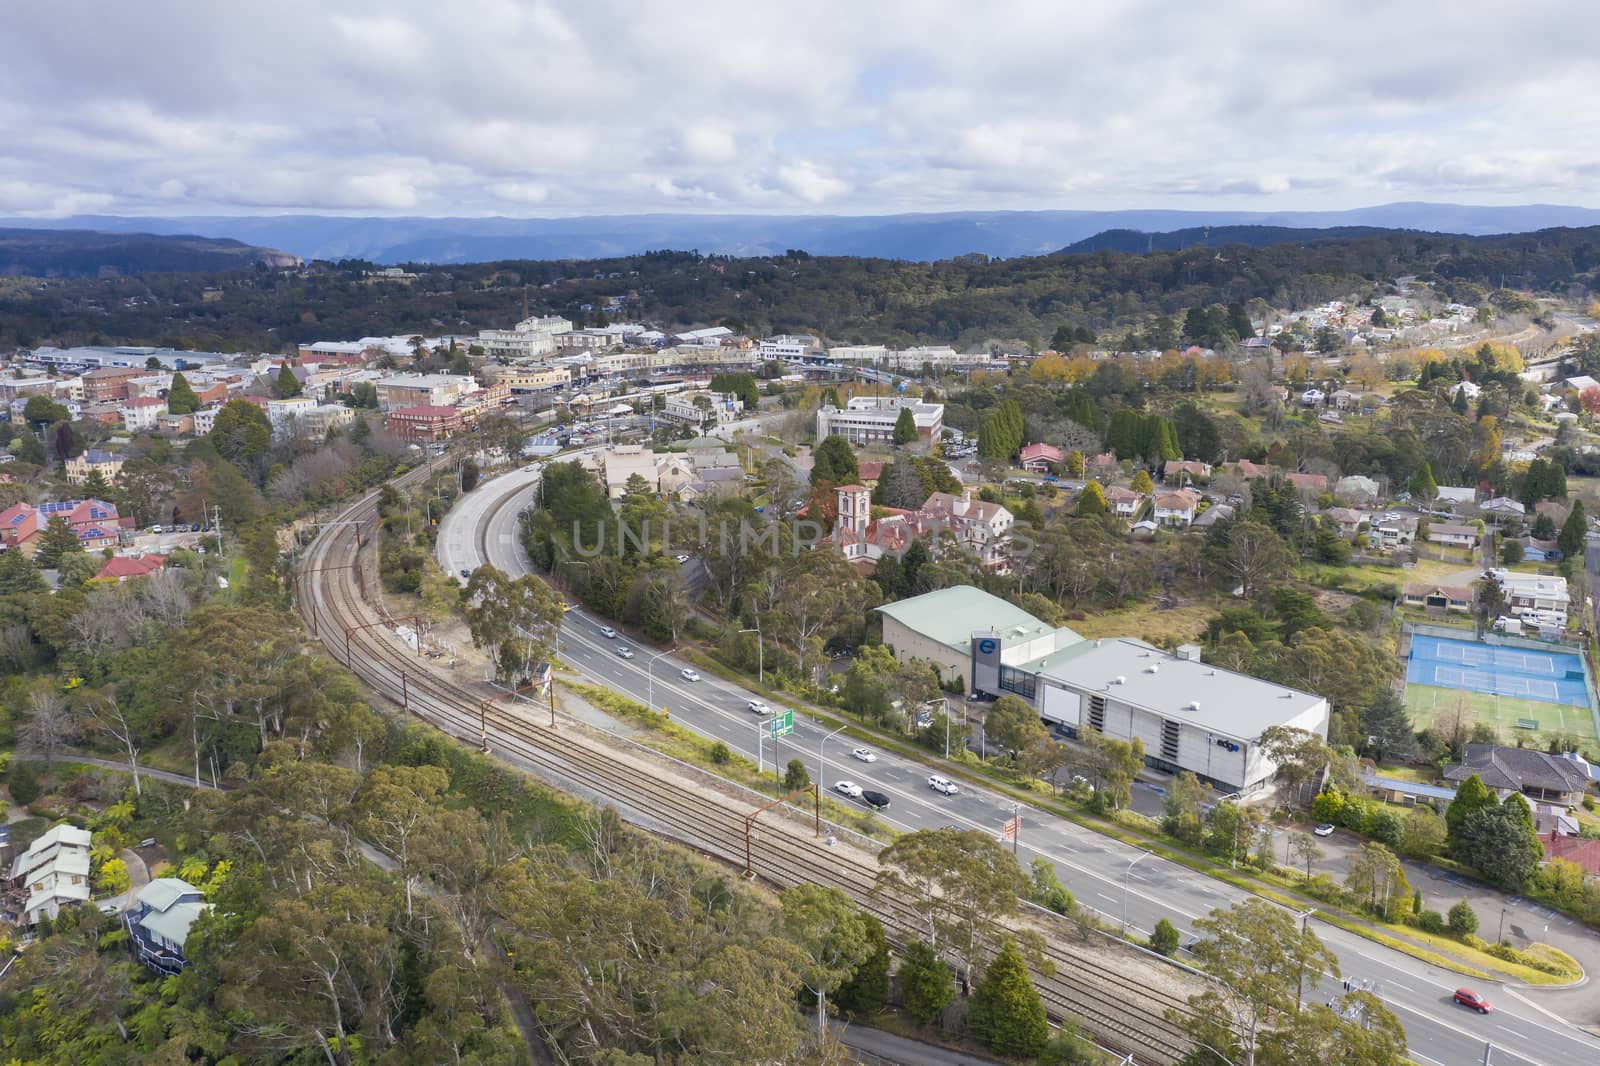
[782, 725]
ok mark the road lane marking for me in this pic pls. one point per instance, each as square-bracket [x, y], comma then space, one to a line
[1513, 1032]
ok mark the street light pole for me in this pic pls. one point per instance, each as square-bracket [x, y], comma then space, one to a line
[822, 757]
[761, 668]
[1300, 986]
[1501, 936]
[1132, 863]
[650, 680]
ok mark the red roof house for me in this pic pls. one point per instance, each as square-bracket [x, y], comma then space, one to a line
[121, 567]
[1039, 457]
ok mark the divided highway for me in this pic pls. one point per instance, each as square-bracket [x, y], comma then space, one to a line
[482, 527]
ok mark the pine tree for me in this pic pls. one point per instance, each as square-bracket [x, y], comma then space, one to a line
[926, 984]
[56, 540]
[1473, 795]
[1093, 500]
[1573, 532]
[1423, 487]
[286, 385]
[19, 575]
[1006, 1012]
[1459, 404]
[905, 427]
[181, 398]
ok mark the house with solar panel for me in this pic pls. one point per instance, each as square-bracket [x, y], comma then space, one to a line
[96, 523]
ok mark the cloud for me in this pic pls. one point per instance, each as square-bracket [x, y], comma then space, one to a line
[571, 107]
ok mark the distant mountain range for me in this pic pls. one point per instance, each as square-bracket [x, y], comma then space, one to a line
[918, 237]
[73, 253]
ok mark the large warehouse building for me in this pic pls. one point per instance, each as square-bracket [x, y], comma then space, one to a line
[1189, 714]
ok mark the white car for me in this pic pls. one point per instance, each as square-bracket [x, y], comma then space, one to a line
[624, 651]
[1324, 830]
[864, 754]
[943, 785]
[608, 632]
[848, 788]
[757, 707]
[680, 558]
[688, 674]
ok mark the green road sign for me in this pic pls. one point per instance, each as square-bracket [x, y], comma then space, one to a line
[782, 725]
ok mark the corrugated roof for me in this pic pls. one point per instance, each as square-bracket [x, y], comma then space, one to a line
[163, 892]
[950, 616]
[172, 925]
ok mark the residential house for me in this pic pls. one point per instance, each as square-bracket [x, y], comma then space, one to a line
[1308, 484]
[1540, 551]
[1217, 512]
[1471, 390]
[869, 472]
[1443, 598]
[109, 465]
[95, 522]
[1345, 400]
[1039, 458]
[1393, 531]
[1346, 519]
[1177, 508]
[159, 921]
[1582, 850]
[1455, 498]
[1503, 507]
[617, 464]
[142, 415]
[1102, 467]
[1185, 471]
[1313, 398]
[1534, 598]
[1124, 503]
[53, 873]
[984, 529]
[1453, 535]
[1580, 383]
[1249, 471]
[1556, 779]
[120, 568]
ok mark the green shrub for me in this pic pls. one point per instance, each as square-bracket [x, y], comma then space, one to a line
[1463, 919]
[1328, 806]
[1431, 921]
[1588, 803]
[22, 782]
[720, 755]
[1164, 938]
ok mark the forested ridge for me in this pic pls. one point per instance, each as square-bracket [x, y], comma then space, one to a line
[964, 301]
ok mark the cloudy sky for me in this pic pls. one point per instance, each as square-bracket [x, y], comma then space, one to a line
[513, 107]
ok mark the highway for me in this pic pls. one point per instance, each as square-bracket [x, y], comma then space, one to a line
[1097, 869]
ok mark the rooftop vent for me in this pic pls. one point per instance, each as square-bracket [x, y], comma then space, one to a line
[1194, 705]
[1153, 668]
[1119, 680]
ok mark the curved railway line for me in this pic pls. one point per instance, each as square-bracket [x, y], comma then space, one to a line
[1116, 1006]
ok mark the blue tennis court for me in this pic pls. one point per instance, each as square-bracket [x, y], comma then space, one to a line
[1546, 676]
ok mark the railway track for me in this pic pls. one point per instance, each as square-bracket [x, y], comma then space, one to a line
[1115, 1006]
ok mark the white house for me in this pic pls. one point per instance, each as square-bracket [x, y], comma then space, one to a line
[1124, 503]
[53, 872]
[1312, 398]
[142, 415]
[1177, 508]
[1472, 391]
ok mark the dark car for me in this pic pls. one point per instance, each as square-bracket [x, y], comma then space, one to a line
[874, 799]
[1468, 998]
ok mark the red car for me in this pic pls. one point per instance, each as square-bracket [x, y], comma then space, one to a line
[1468, 998]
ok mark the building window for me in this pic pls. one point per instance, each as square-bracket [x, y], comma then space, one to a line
[1021, 682]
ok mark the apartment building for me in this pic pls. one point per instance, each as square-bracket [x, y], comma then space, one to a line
[871, 419]
[527, 339]
[423, 390]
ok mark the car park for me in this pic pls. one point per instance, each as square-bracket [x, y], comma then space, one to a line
[608, 632]
[688, 674]
[624, 651]
[864, 754]
[1324, 830]
[942, 785]
[1468, 998]
[848, 788]
[874, 799]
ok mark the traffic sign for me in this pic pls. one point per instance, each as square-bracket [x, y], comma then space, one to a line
[1008, 831]
[782, 724]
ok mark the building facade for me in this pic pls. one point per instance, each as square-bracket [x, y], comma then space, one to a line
[871, 419]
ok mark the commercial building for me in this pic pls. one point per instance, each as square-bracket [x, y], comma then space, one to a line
[91, 357]
[531, 337]
[535, 378]
[787, 347]
[1190, 715]
[871, 419]
[158, 924]
[52, 873]
[718, 409]
[110, 383]
[941, 627]
[422, 422]
[431, 390]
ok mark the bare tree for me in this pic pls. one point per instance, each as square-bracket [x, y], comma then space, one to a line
[108, 717]
[50, 723]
